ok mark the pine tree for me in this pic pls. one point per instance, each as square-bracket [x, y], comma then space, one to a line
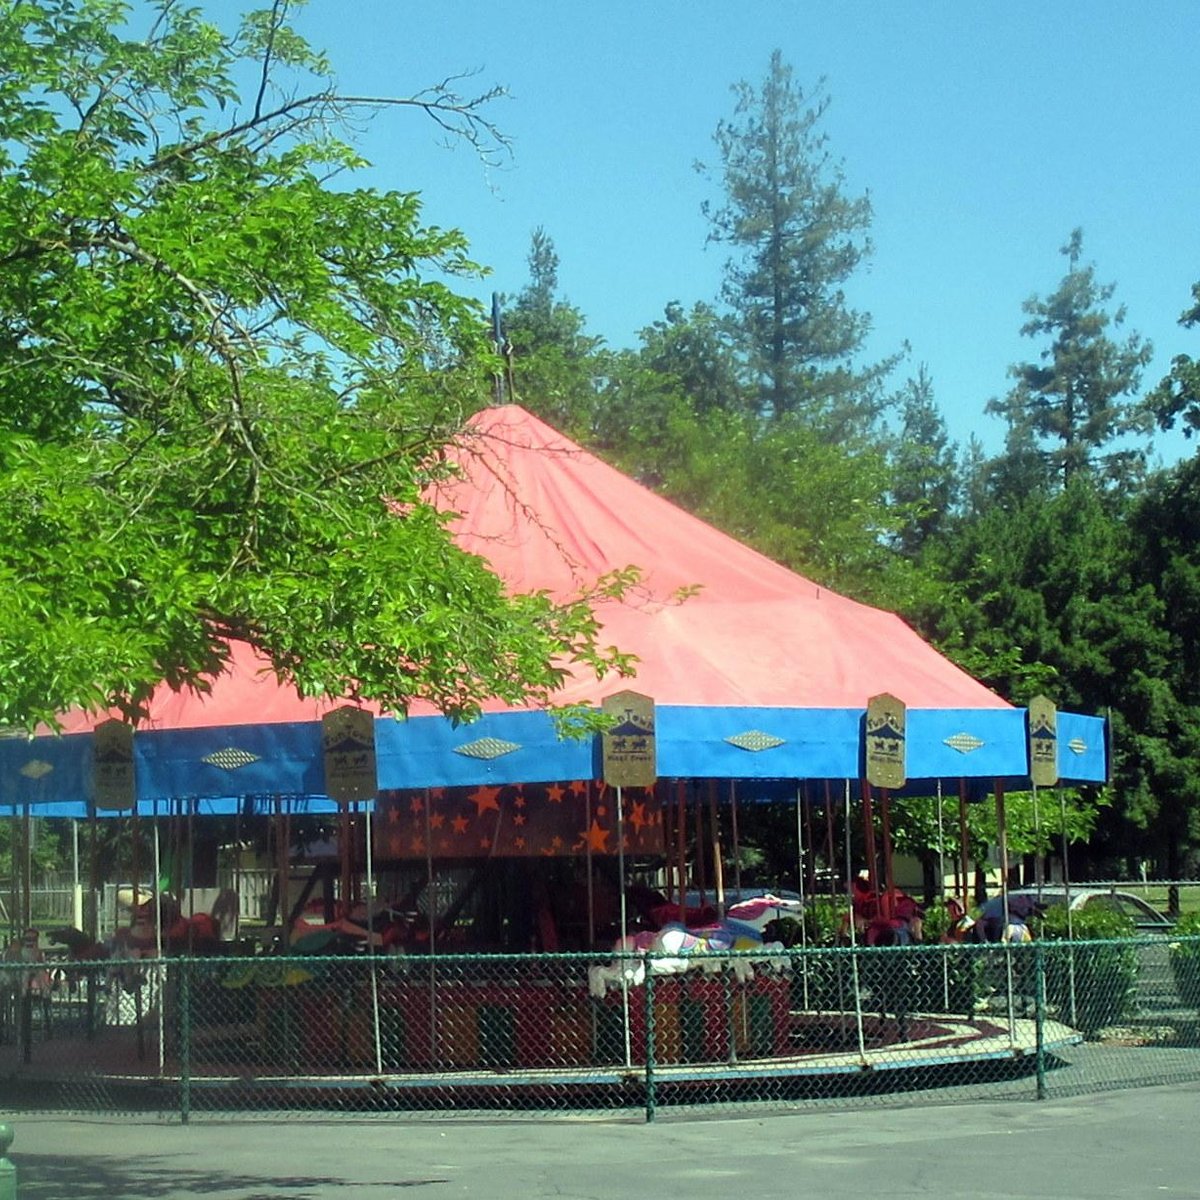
[1074, 403]
[797, 238]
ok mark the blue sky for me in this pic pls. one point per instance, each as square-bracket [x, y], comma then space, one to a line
[983, 132]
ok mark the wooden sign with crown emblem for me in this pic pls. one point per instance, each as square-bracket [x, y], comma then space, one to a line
[1043, 741]
[348, 739]
[885, 742]
[629, 751]
[114, 785]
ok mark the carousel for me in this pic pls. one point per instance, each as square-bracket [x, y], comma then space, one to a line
[507, 898]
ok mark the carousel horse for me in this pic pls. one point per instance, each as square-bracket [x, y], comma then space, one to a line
[675, 949]
[31, 984]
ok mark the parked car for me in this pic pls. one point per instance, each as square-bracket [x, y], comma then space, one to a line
[1146, 918]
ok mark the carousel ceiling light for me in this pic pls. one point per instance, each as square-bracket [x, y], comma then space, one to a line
[964, 743]
[488, 747]
[755, 740]
[230, 758]
[1077, 745]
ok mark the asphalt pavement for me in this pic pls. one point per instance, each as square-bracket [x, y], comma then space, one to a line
[1133, 1143]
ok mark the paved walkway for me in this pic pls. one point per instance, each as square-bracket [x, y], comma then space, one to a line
[1128, 1144]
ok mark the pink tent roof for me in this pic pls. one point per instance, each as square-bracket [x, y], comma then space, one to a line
[549, 515]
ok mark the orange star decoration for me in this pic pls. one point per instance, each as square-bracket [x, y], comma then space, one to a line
[437, 820]
[485, 799]
[597, 838]
[418, 845]
[460, 824]
[416, 805]
[638, 818]
[519, 819]
[554, 793]
[519, 843]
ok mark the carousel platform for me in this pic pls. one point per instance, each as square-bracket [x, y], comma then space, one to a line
[118, 1071]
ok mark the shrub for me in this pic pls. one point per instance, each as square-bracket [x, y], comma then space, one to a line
[1094, 984]
[1185, 960]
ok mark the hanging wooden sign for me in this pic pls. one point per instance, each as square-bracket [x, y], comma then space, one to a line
[114, 785]
[1043, 742]
[629, 751]
[885, 742]
[348, 738]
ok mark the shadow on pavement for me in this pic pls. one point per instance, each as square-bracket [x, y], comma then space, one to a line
[50, 1177]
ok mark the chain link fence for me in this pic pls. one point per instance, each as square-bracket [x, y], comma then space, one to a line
[647, 1035]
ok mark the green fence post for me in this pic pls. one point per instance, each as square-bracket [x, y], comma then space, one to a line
[650, 1098]
[185, 1039]
[8, 1173]
[1039, 975]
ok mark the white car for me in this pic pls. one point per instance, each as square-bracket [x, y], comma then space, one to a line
[1146, 918]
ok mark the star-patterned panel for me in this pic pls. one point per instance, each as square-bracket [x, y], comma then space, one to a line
[515, 821]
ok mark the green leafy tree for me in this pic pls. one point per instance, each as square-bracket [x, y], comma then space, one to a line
[1075, 405]
[796, 239]
[225, 383]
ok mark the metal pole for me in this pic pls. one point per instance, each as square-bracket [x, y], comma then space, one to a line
[621, 885]
[8, 1172]
[650, 1082]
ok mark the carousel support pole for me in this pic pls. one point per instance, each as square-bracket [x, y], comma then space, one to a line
[137, 990]
[1002, 826]
[737, 849]
[889, 880]
[158, 946]
[681, 847]
[701, 863]
[868, 820]
[191, 875]
[1037, 844]
[431, 916]
[371, 947]
[76, 887]
[829, 857]
[624, 927]
[27, 869]
[715, 832]
[964, 845]
[1062, 808]
[809, 887]
[93, 917]
[344, 860]
[855, 982]
[800, 880]
[25, 1034]
[941, 889]
[15, 927]
[587, 862]
[282, 869]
